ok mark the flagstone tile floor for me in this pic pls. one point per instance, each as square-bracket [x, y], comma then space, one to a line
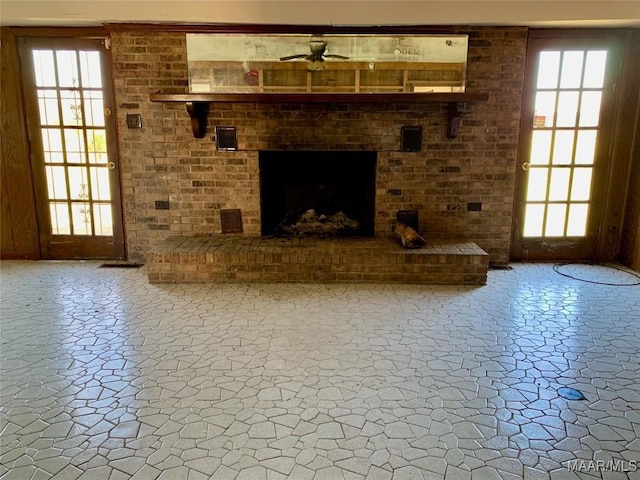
[107, 377]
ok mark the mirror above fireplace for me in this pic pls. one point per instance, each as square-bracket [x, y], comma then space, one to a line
[355, 63]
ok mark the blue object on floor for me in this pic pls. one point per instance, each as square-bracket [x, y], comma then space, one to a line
[571, 393]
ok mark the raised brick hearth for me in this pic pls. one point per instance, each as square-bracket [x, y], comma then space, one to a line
[242, 258]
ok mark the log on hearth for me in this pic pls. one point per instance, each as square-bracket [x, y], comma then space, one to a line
[409, 237]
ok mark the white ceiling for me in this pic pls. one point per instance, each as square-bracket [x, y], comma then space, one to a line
[324, 12]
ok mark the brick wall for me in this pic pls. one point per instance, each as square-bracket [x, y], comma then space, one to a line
[163, 162]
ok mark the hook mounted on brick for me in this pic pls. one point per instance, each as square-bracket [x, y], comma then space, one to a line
[198, 112]
[456, 111]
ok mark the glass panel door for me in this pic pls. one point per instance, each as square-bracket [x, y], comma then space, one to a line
[563, 147]
[69, 121]
[568, 98]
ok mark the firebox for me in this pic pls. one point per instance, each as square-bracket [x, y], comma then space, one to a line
[297, 184]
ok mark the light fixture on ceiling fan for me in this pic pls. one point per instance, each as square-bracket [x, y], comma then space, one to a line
[315, 59]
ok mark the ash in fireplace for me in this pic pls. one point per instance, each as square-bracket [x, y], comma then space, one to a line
[310, 224]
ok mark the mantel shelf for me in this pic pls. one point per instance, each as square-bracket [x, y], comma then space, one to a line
[412, 97]
[197, 104]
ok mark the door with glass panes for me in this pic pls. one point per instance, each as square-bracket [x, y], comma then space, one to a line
[564, 146]
[68, 95]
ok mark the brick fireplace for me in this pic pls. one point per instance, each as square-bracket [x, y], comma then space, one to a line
[176, 185]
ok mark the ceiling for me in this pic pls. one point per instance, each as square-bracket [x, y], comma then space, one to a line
[556, 13]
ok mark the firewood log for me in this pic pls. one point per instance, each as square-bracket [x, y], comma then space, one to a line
[409, 237]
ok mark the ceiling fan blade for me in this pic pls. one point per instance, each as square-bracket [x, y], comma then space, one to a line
[336, 56]
[292, 57]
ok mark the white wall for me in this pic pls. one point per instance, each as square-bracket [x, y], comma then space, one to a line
[324, 12]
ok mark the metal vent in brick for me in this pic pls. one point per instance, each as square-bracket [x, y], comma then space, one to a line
[226, 138]
[411, 139]
[231, 220]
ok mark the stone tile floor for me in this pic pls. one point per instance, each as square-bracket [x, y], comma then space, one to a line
[105, 376]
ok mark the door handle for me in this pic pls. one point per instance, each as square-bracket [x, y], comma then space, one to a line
[111, 165]
[525, 166]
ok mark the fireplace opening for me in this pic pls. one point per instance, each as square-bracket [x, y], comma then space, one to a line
[330, 192]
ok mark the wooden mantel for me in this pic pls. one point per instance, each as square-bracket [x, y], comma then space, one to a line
[197, 104]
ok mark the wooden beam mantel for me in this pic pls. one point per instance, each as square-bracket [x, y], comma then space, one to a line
[197, 104]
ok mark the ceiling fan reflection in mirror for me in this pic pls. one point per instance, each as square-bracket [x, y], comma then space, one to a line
[315, 59]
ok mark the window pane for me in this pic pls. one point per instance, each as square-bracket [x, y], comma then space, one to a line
[67, 68]
[586, 147]
[97, 146]
[44, 68]
[102, 218]
[74, 141]
[78, 183]
[563, 147]
[581, 184]
[81, 213]
[556, 215]
[545, 108]
[571, 75]
[93, 109]
[537, 184]
[567, 109]
[53, 157]
[594, 69]
[534, 215]
[60, 224]
[48, 104]
[71, 107]
[559, 186]
[51, 140]
[90, 69]
[548, 68]
[100, 189]
[56, 183]
[540, 147]
[577, 225]
[590, 109]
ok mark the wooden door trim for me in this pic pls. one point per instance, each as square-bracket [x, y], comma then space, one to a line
[35, 145]
[15, 159]
[114, 156]
[587, 34]
[60, 32]
[629, 253]
[623, 130]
